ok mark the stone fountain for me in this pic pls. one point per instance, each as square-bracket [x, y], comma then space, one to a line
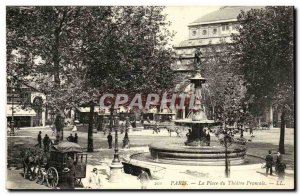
[197, 148]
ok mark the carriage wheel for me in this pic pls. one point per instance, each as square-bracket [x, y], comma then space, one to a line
[40, 176]
[52, 177]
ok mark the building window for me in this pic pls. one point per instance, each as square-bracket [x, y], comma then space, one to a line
[225, 27]
[194, 33]
[215, 31]
[204, 32]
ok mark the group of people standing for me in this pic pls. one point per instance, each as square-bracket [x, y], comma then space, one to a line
[46, 141]
[279, 165]
[72, 138]
[126, 142]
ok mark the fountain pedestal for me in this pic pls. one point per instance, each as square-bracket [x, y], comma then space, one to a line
[197, 136]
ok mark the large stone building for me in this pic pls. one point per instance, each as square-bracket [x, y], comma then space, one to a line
[208, 30]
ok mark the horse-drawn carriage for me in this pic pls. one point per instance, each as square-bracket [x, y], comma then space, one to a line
[49, 167]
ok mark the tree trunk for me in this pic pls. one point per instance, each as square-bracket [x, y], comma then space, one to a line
[90, 131]
[282, 132]
[56, 59]
[226, 162]
[59, 128]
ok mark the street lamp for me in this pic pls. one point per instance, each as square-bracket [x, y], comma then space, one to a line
[116, 166]
[116, 155]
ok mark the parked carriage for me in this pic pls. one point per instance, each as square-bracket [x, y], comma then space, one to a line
[51, 169]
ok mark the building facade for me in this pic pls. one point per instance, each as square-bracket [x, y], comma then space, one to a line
[209, 30]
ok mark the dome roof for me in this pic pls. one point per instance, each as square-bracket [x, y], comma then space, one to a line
[224, 13]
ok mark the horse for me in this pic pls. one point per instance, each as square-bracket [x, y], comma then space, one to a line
[30, 161]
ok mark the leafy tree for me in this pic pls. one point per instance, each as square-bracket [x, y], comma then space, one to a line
[224, 90]
[265, 46]
[134, 57]
[44, 52]
[75, 54]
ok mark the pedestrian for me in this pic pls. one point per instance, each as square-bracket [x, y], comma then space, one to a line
[207, 138]
[188, 135]
[269, 163]
[278, 161]
[53, 128]
[251, 132]
[148, 120]
[39, 139]
[281, 170]
[74, 128]
[75, 138]
[70, 138]
[144, 179]
[142, 119]
[109, 140]
[126, 141]
[46, 142]
[71, 174]
[242, 131]
[94, 180]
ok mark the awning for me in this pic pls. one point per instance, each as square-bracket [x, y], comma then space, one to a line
[18, 111]
[87, 109]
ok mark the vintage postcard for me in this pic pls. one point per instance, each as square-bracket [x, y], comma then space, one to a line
[150, 98]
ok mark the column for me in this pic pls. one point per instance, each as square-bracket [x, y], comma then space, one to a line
[271, 116]
[44, 118]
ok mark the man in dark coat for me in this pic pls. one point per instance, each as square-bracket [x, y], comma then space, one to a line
[278, 160]
[269, 163]
[39, 139]
[46, 142]
[109, 140]
[70, 138]
[75, 138]
[207, 138]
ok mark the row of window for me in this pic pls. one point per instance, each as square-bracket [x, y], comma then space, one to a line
[214, 31]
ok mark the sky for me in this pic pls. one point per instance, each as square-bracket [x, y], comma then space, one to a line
[181, 16]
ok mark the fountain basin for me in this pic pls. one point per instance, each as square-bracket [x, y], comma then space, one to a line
[212, 155]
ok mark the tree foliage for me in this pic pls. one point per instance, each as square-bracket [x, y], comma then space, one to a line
[265, 46]
[136, 49]
[224, 88]
[75, 54]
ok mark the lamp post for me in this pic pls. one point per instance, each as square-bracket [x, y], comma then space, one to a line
[12, 122]
[116, 166]
[116, 154]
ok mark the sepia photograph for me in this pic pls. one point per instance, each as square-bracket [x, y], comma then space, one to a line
[177, 98]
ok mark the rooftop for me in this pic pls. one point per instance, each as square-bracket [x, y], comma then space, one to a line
[225, 13]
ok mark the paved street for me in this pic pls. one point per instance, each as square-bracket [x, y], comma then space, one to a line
[102, 157]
